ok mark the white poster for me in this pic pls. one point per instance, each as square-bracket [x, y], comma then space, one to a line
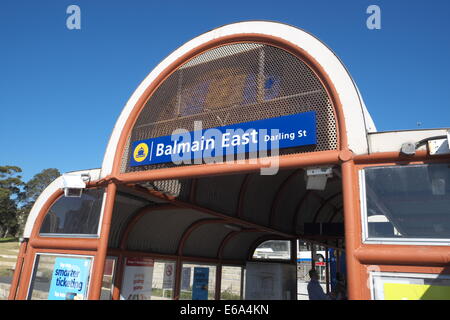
[137, 279]
[270, 281]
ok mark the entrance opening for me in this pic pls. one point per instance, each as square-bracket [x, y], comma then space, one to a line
[242, 236]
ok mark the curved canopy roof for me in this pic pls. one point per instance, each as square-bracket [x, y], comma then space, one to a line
[223, 217]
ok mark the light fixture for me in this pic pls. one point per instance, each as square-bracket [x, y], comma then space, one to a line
[316, 178]
[73, 184]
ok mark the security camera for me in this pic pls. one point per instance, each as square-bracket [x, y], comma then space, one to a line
[73, 184]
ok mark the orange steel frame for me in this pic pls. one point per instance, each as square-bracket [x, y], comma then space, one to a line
[422, 258]
[358, 256]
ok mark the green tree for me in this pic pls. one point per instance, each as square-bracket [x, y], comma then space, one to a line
[17, 198]
[39, 182]
[11, 195]
[32, 189]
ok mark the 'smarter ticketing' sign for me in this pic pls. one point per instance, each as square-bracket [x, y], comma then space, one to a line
[254, 136]
[69, 279]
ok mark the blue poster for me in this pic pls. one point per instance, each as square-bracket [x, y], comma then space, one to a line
[200, 285]
[333, 268]
[69, 279]
[257, 137]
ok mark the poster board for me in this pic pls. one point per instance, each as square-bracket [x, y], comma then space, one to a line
[137, 279]
[200, 285]
[409, 286]
[70, 279]
[270, 281]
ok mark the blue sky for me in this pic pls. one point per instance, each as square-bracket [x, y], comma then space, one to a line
[62, 90]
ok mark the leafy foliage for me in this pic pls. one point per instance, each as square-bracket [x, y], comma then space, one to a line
[10, 196]
[17, 197]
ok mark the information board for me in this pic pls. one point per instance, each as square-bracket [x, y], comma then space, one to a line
[137, 279]
[69, 279]
[200, 285]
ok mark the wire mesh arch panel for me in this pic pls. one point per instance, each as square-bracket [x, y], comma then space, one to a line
[231, 84]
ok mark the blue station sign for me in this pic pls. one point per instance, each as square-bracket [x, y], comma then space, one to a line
[257, 137]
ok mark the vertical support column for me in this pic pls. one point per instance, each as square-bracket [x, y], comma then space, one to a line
[294, 252]
[100, 257]
[218, 281]
[118, 279]
[352, 228]
[17, 270]
[178, 271]
[27, 271]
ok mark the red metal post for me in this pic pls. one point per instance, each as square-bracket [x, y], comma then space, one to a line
[100, 257]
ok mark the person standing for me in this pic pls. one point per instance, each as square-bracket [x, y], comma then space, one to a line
[315, 290]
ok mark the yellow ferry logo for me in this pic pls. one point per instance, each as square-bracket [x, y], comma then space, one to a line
[140, 153]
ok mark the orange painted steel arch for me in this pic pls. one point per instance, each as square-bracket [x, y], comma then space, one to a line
[336, 211]
[47, 205]
[193, 191]
[323, 202]
[298, 52]
[229, 219]
[297, 209]
[192, 228]
[224, 242]
[327, 201]
[242, 191]
[279, 193]
[140, 213]
[123, 241]
[180, 248]
[41, 215]
[227, 239]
